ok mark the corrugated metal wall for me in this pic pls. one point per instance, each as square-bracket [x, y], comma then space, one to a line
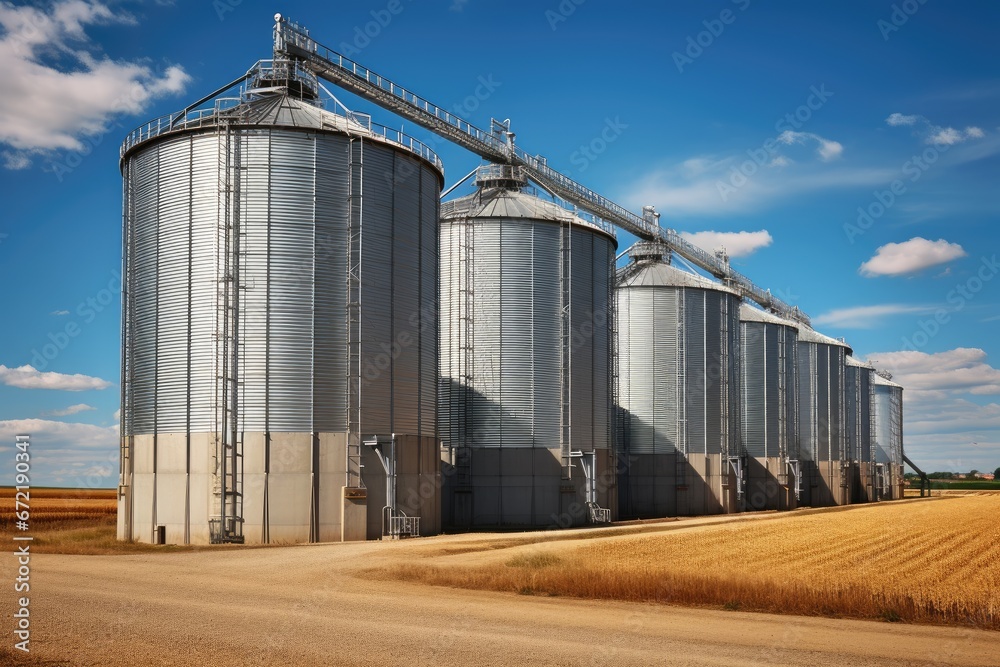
[769, 364]
[502, 360]
[821, 421]
[887, 406]
[292, 198]
[821, 401]
[516, 339]
[679, 393]
[858, 413]
[673, 390]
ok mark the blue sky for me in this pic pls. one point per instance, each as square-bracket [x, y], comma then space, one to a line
[845, 153]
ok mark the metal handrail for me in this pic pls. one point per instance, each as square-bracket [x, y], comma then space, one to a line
[395, 523]
[295, 41]
[180, 121]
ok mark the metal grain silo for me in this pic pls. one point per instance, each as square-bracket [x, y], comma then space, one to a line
[858, 418]
[679, 389]
[769, 345]
[887, 414]
[822, 451]
[279, 323]
[526, 352]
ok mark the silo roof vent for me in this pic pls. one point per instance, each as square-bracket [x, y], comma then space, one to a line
[506, 176]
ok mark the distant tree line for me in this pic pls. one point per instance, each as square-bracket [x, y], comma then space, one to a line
[951, 475]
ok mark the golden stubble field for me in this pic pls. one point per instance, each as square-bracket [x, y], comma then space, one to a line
[667, 592]
[69, 521]
[934, 560]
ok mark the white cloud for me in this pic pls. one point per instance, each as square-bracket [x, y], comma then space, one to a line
[737, 244]
[66, 453]
[896, 119]
[918, 253]
[780, 161]
[16, 161]
[828, 149]
[27, 377]
[695, 188]
[959, 369]
[45, 107]
[71, 410]
[947, 136]
[458, 5]
[60, 312]
[943, 429]
[936, 134]
[865, 317]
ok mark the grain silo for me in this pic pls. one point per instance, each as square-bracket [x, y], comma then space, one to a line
[769, 345]
[821, 365]
[279, 322]
[858, 419]
[887, 415]
[526, 351]
[679, 392]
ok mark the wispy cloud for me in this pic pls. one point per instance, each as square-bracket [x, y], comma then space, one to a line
[27, 377]
[827, 149]
[16, 161]
[935, 134]
[736, 244]
[917, 254]
[458, 5]
[60, 313]
[897, 119]
[866, 317]
[692, 188]
[47, 107]
[71, 410]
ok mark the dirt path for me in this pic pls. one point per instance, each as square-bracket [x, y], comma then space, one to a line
[302, 606]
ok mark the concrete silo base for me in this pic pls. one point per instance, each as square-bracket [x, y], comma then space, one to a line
[862, 485]
[524, 487]
[768, 485]
[658, 485]
[293, 488]
[832, 488]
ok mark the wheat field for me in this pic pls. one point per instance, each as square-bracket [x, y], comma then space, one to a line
[932, 561]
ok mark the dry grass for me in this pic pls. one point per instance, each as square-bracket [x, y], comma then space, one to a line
[70, 521]
[80, 521]
[930, 561]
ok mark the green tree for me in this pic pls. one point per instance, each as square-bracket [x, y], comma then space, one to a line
[996, 474]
